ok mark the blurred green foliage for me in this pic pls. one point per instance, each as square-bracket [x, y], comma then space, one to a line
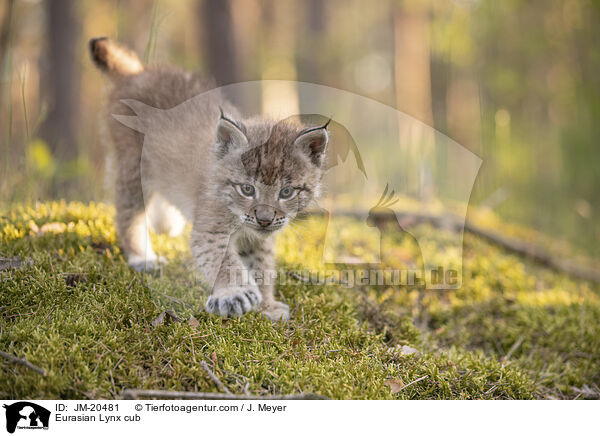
[514, 81]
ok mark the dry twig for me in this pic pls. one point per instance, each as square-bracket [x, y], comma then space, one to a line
[134, 394]
[23, 362]
[452, 222]
[413, 382]
[214, 378]
[514, 348]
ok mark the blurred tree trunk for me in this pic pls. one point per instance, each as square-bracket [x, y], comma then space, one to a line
[440, 70]
[309, 53]
[308, 46]
[219, 40]
[60, 78]
[440, 76]
[6, 29]
[278, 59]
[463, 111]
[5, 37]
[412, 81]
[132, 23]
[411, 65]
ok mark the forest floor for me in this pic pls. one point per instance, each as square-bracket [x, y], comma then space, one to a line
[72, 307]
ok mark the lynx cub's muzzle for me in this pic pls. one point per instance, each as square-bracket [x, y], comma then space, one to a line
[264, 215]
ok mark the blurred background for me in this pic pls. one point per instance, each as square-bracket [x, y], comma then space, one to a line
[516, 82]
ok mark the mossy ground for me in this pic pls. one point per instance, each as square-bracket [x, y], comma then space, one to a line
[93, 332]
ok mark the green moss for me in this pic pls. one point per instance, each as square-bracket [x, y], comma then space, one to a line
[93, 332]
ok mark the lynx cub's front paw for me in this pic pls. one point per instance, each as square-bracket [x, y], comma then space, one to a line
[234, 300]
[276, 311]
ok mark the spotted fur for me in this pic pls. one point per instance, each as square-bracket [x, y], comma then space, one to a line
[201, 180]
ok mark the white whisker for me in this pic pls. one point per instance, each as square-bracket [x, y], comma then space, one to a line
[295, 231]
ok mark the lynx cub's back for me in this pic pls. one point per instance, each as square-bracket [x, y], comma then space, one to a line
[238, 181]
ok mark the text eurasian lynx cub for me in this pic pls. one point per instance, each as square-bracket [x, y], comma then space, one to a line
[243, 180]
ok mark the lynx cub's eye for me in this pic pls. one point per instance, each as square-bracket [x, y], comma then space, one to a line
[287, 193]
[245, 190]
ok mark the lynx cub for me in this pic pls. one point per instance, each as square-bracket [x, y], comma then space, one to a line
[243, 180]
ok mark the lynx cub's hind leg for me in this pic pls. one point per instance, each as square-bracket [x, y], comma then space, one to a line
[136, 243]
[164, 217]
[131, 218]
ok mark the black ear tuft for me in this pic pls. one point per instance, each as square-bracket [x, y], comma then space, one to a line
[313, 141]
[230, 134]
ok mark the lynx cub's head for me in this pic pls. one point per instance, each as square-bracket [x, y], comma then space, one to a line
[268, 171]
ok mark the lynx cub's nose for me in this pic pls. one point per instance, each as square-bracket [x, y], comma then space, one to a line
[264, 215]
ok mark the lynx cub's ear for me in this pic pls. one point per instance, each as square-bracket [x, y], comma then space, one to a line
[313, 141]
[230, 135]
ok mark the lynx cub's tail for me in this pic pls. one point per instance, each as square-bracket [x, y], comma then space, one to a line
[113, 59]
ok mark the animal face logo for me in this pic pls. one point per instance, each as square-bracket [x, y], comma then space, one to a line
[383, 206]
[26, 415]
[391, 173]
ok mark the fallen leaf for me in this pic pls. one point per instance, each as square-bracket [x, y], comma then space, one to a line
[101, 246]
[403, 350]
[395, 385]
[407, 351]
[193, 322]
[71, 279]
[166, 317]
